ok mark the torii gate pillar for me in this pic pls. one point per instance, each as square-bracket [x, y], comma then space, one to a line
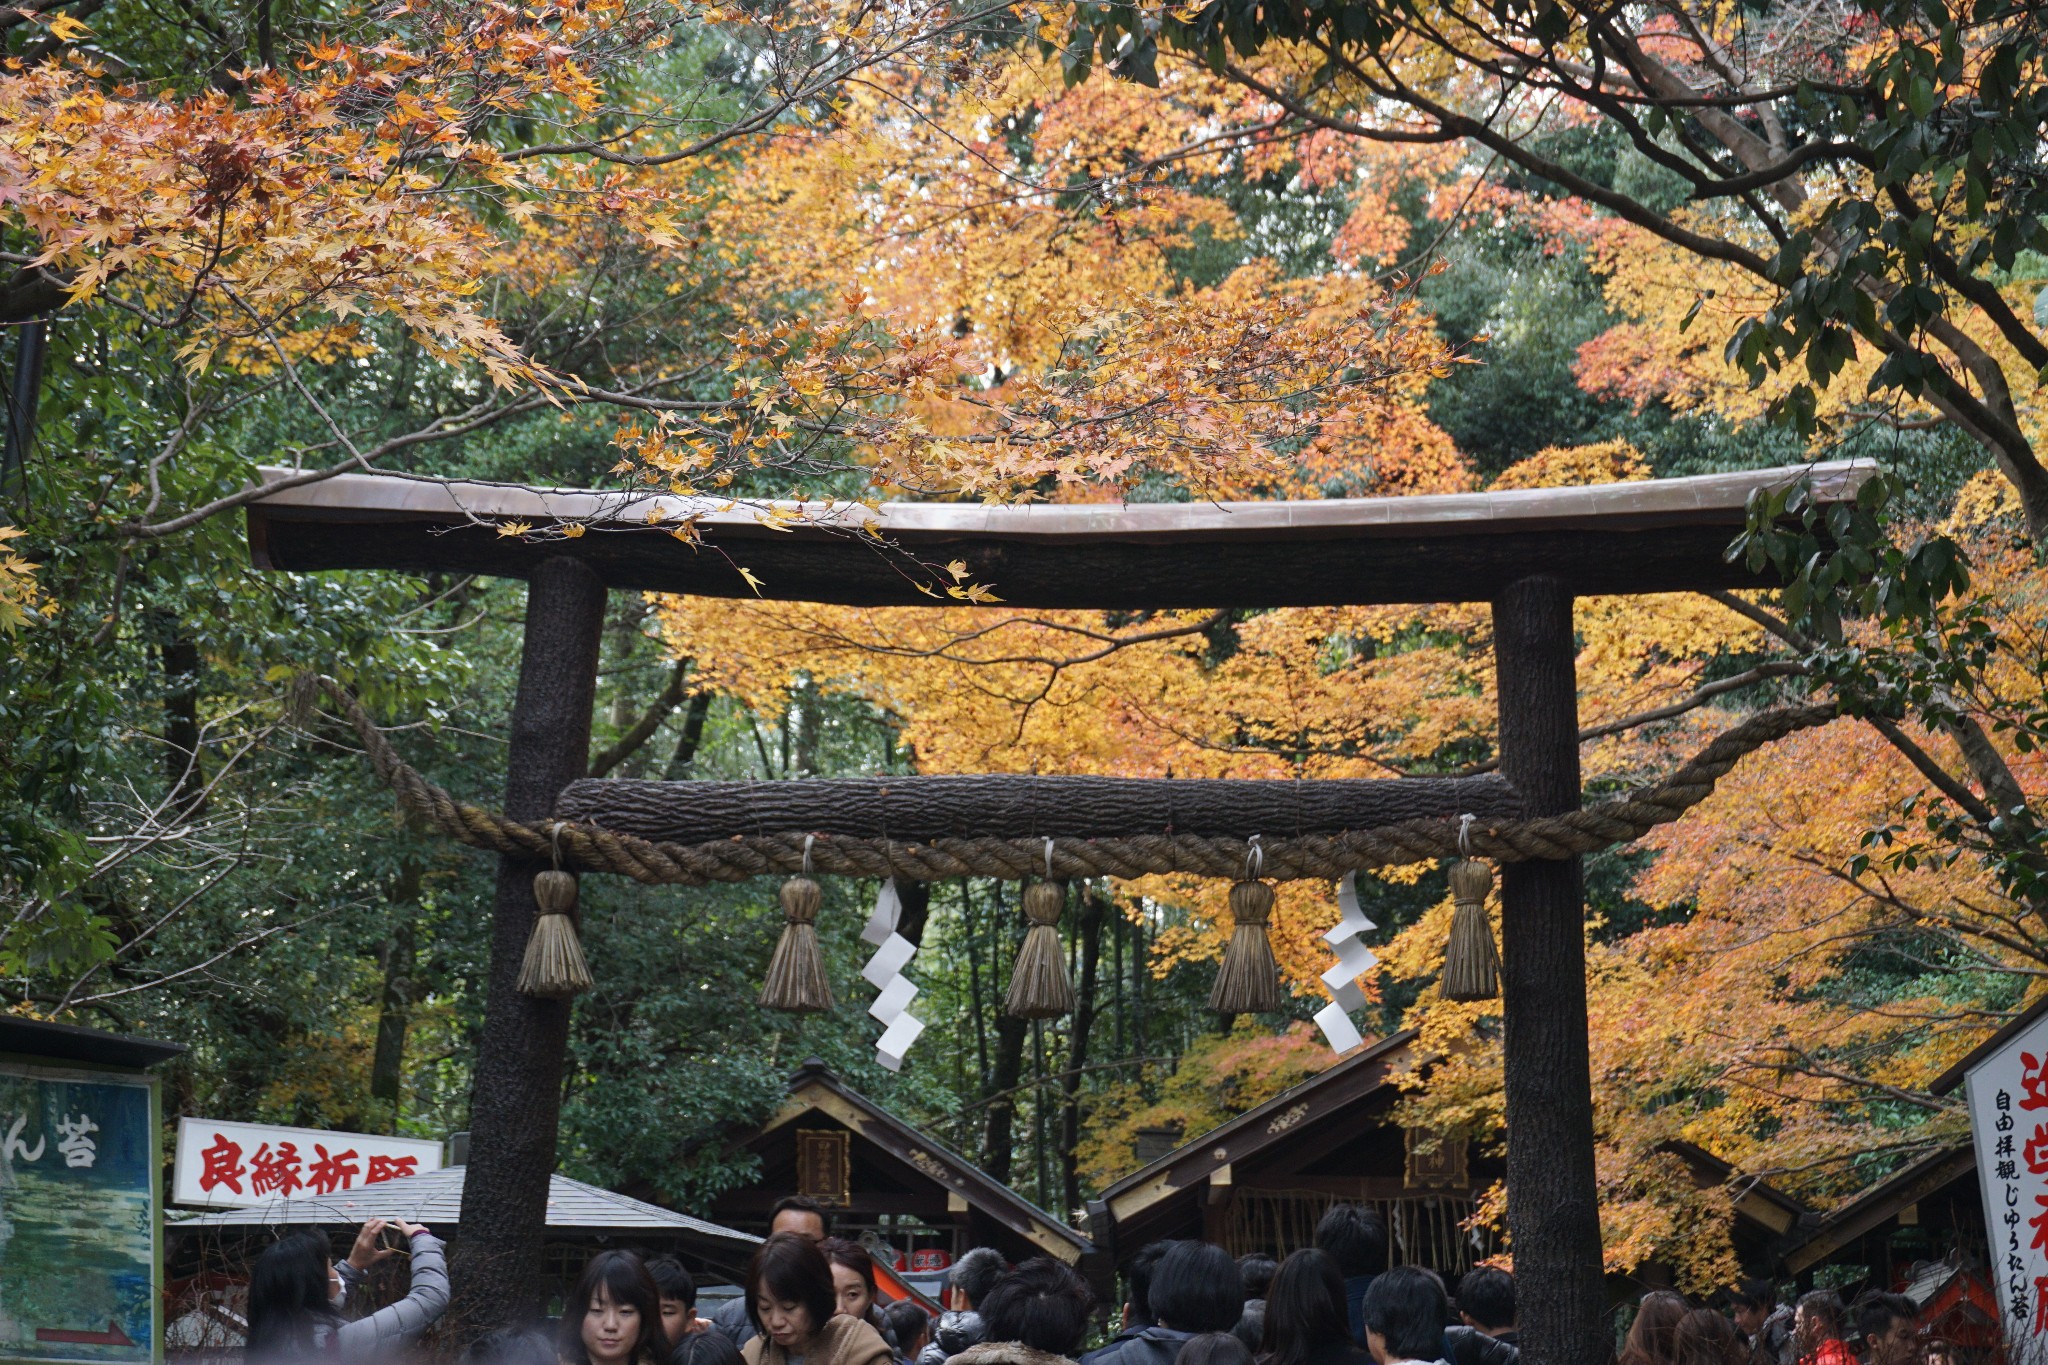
[516, 1090]
[1553, 1202]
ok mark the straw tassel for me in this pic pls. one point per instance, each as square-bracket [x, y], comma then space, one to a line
[554, 968]
[1471, 962]
[1039, 987]
[1249, 980]
[796, 974]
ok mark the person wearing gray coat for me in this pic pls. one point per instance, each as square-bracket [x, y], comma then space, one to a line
[296, 1295]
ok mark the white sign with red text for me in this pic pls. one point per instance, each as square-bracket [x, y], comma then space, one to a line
[223, 1165]
[2009, 1120]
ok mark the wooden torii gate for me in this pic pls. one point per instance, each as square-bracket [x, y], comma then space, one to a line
[1528, 553]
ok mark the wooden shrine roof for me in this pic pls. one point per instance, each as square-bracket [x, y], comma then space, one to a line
[435, 1199]
[1883, 1202]
[1663, 535]
[1205, 1156]
[37, 1041]
[1332, 1100]
[816, 1089]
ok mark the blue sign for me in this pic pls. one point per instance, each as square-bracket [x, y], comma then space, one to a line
[78, 1217]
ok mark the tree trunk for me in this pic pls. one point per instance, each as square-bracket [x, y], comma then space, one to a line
[1553, 1202]
[394, 1006]
[516, 1089]
[916, 900]
[184, 774]
[999, 1139]
[1083, 1027]
[1021, 807]
[1007, 1069]
[684, 758]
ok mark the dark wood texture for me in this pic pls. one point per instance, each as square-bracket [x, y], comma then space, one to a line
[516, 1090]
[1553, 1206]
[1656, 536]
[1453, 566]
[1018, 807]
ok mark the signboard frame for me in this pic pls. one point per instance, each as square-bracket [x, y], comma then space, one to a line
[27, 1067]
[187, 1160]
[2008, 1103]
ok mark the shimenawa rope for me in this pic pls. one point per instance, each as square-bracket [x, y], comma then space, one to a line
[595, 849]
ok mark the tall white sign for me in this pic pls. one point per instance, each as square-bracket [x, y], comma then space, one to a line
[231, 1165]
[2008, 1093]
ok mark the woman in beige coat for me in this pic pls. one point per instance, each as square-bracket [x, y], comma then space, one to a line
[792, 1304]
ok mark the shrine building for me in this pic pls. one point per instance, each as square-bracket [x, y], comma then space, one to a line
[880, 1175]
[1260, 1182]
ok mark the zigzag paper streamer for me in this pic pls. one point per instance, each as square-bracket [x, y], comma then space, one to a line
[885, 972]
[1354, 960]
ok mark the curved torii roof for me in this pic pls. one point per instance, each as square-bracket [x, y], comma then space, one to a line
[1659, 535]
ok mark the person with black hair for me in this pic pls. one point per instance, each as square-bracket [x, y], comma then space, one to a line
[1817, 1330]
[910, 1327]
[1890, 1327]
[613, 1317]
[960, 1327]
[1356, 1239]
[1765, 1321]
[296, 1292]
[1215, 1348]
[1307, 1320]
[1486, 1333]
[1035, 1315]
[1194, 1288]
[704, 1348]
[1405, 1311]
[853, 1284]
[678, 1291]
[1256, 1270]
[793, 1213]
[1137, 1314]
[791, 1301]
[513, 1346]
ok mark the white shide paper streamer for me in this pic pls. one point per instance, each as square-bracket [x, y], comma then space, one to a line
[885, 972]
[1354, 960]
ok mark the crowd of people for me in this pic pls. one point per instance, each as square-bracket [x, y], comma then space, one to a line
[810, 1298]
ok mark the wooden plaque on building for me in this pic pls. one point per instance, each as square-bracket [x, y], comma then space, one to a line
[1438, 1167]
[822, 1165]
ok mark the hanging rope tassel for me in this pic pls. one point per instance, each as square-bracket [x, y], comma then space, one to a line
[1039, 987]
[1249, 980]
[1471, 962]
[554, 968]
[796, 974]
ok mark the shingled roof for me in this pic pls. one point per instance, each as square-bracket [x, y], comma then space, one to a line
[435, 1199]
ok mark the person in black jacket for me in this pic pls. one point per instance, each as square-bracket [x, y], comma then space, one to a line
[1486, 1304]
[1195, 1288]
[1356, 1239]
[960, 1326]
[1258, 1278]
[1405, 1313]
[1307, 1319]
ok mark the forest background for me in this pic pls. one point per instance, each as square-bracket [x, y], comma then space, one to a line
[832, 250]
